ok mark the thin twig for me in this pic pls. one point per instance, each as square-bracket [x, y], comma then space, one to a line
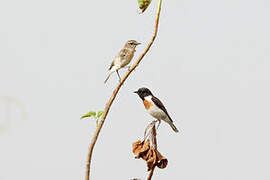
[115, 92]
[151, 173]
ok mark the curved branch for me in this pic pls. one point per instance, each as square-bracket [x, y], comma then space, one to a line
[115, 92]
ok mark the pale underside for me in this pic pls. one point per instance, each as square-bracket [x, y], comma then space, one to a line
[155, 111]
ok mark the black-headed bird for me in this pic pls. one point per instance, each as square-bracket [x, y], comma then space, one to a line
[155, 107]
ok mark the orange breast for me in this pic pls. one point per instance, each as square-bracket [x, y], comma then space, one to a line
[147, 104]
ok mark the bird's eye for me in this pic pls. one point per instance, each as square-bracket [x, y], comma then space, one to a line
[132, 43]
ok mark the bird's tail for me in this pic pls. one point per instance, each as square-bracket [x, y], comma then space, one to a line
[108, 77]
[173, 126]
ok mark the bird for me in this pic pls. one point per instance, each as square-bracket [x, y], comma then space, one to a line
[123, 58]
[155, 107]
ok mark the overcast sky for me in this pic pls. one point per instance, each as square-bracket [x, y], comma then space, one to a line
[209, 65]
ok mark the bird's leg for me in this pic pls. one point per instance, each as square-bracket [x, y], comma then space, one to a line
[118, 75]
[159, 121]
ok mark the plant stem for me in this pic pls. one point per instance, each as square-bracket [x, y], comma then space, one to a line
[115, 92]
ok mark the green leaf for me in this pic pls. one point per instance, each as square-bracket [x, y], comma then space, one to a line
[92, 113]
[100, 113]
[143, 4]
[89, 114]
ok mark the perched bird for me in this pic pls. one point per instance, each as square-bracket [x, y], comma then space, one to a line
[123, 58]
[155, 107]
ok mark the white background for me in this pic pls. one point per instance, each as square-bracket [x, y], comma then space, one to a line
[209, 65]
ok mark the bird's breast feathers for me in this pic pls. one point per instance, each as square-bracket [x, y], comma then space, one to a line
[147, 104]
[152, 109]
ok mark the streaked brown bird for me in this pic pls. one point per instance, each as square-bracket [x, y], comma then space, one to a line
[123, 58]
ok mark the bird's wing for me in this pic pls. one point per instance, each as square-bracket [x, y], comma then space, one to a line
[123, 53]
[120, 55]
[161, 106]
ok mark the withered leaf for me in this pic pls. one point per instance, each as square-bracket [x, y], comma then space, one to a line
[150, 154]
[140, 149]
[143, 4]
[162, 161]
[151, 158]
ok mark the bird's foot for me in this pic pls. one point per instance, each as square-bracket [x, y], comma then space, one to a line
[159, 121]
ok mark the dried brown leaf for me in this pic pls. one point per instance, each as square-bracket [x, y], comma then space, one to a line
[140, 149]
[150, 154]
[151, 158]
[162, 161]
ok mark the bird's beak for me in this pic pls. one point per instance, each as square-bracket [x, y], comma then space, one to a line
[136, 92]
[138, 43]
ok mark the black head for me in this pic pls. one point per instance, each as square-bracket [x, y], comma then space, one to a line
[143, 92]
